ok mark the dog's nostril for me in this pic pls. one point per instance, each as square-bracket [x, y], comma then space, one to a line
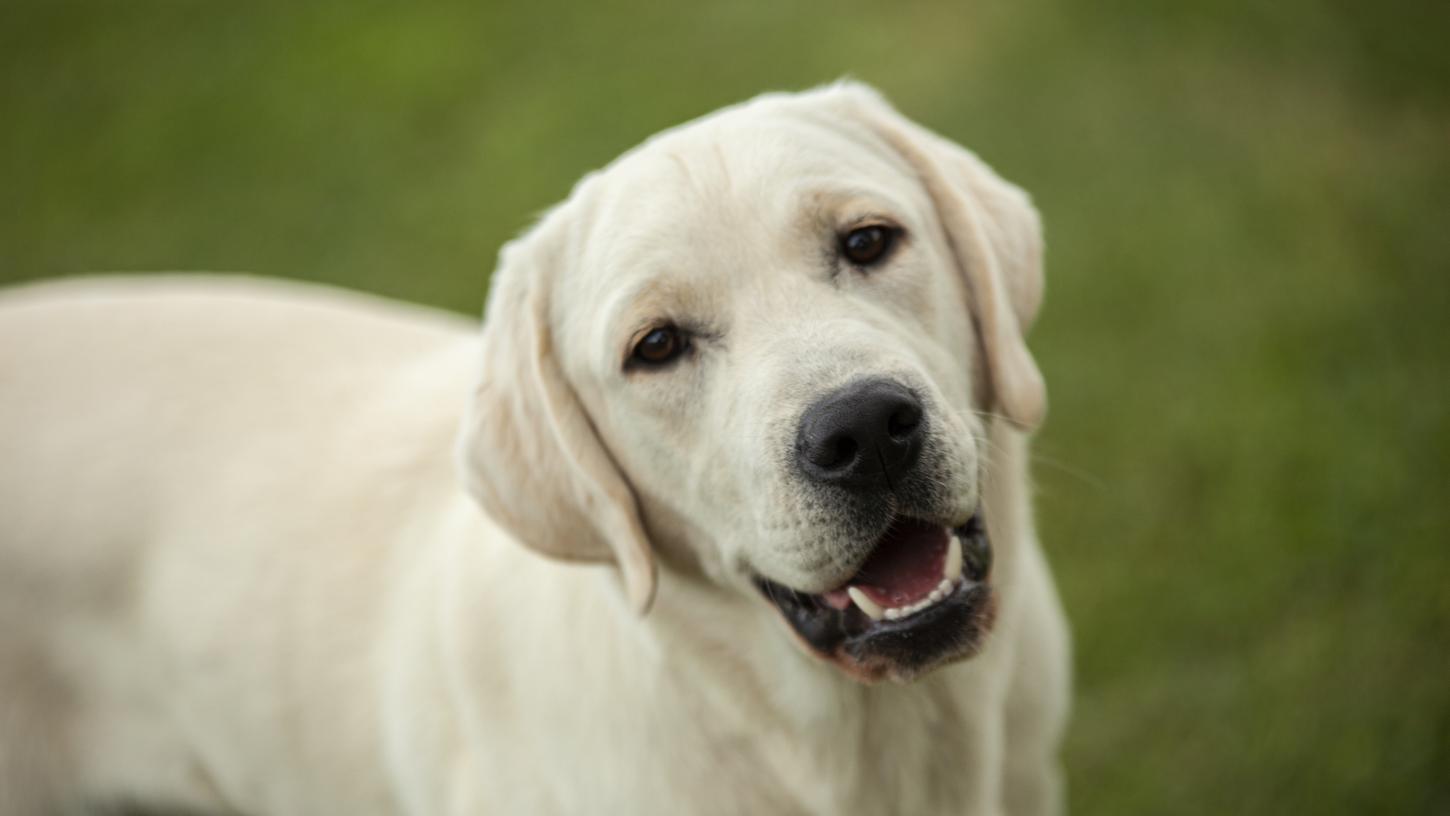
[903, 421]
[833, 453]
[843, 450]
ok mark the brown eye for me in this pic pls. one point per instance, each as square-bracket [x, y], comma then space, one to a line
[867, 246]
[659, 346]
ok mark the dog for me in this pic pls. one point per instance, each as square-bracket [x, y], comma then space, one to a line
[277, 549]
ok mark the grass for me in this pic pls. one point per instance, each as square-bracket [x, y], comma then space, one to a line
[1242, 483]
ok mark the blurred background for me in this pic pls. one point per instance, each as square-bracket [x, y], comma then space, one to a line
[1243, 482]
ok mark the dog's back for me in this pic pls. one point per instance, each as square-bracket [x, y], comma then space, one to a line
[122, 483]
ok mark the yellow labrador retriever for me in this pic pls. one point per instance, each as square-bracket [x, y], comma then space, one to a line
[764, 376]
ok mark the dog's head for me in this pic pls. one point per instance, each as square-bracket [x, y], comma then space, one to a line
[764, 347]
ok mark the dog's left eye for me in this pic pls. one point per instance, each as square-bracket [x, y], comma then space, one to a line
[868, 246]
[659, 346]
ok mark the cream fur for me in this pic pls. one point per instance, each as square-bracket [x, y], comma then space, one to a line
[242, 568]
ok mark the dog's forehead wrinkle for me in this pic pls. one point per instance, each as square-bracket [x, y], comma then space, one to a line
[705, 172]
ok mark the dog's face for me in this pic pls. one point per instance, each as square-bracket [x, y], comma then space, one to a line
[752, 342]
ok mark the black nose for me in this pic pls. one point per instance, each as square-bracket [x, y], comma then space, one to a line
[864, 435]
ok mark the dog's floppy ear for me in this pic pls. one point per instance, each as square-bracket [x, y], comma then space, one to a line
[996, 237]
[529, 452]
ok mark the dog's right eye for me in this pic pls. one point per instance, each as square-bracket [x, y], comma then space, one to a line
[659, 346]
[869, 245]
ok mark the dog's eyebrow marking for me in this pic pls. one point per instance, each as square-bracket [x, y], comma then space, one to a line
[652, 301]
[841, 208]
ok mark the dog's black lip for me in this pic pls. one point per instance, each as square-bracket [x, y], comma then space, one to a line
[976, 548]
[952, 628]
[827, 629]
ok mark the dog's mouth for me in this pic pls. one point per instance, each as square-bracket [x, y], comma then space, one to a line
[920, 599]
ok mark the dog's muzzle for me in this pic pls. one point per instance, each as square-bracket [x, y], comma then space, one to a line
[919, 600]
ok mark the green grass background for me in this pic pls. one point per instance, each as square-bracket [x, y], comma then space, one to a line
[1243, 481]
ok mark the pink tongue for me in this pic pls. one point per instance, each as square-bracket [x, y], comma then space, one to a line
[906, 565]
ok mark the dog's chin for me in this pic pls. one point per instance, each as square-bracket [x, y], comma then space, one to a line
[920, 600]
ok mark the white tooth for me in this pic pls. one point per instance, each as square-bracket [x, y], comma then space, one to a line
[936, 595]
[945, 586]
[893, 614]
[866, 604]
[953, 569]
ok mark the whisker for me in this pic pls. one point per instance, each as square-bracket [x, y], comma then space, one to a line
[1086, 477]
